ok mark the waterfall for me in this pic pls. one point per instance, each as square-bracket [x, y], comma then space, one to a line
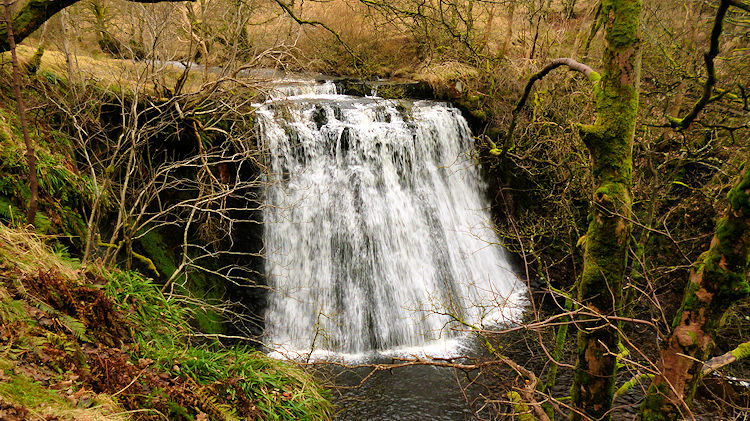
[297, 87]
[376, 227]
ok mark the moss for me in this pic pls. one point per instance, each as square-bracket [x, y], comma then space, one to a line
[653, 406]
[208, 320]
[36, 60]
[27, 392]
[693, 337]
[624, 32]
[392, 92]
[725, 262]
[738, 197]
[196, 284]
[690, 301]
[674, 122]
[609, 142]
[157, 250]
[628, 385]
[716, 283]
[520, 407]
[742, 351]
[479, 114]
[33, 14]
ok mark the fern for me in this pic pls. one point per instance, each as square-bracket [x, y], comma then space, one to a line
[209, 403]
[42, 223]
[75, 326]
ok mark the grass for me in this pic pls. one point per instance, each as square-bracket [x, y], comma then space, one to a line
[40, 338]
[163, 333]
[113, 76]
[42, 402]
[27, 253]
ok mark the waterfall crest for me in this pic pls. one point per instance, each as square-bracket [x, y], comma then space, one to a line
[376, 229]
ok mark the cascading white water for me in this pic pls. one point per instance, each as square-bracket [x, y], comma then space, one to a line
[296, 87]
[376, 227]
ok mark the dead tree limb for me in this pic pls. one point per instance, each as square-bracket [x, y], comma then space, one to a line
[715, 363]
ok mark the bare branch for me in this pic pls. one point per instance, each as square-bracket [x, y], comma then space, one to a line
[554, 64]
[715, 363]
[713, 51]
[301, 21]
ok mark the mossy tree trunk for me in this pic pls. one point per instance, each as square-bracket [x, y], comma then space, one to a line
[718, 279]
[107, 43]
[610, 143]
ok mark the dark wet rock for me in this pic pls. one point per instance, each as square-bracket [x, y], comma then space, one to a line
[319, 116]
[385, 89]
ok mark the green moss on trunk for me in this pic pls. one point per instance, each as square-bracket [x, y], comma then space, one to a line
[718, 280]
[31, 16]
[610, 143]
[742, 351]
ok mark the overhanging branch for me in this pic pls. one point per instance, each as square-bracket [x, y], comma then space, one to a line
[715, 363]
[35, 12]
[554, 64]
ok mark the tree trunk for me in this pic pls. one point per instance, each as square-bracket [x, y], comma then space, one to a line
[509, 28]
[610, 143]
[30, 158]
[717, 280]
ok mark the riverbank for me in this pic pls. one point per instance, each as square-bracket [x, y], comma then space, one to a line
[89, 343]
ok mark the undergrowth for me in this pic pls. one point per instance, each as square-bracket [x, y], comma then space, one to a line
[92, 343]
[64, 192]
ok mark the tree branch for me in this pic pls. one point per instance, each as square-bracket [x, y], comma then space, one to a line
[713, 51]
[35, 12]
[715, 363]
[301, 21]
[554, 64]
